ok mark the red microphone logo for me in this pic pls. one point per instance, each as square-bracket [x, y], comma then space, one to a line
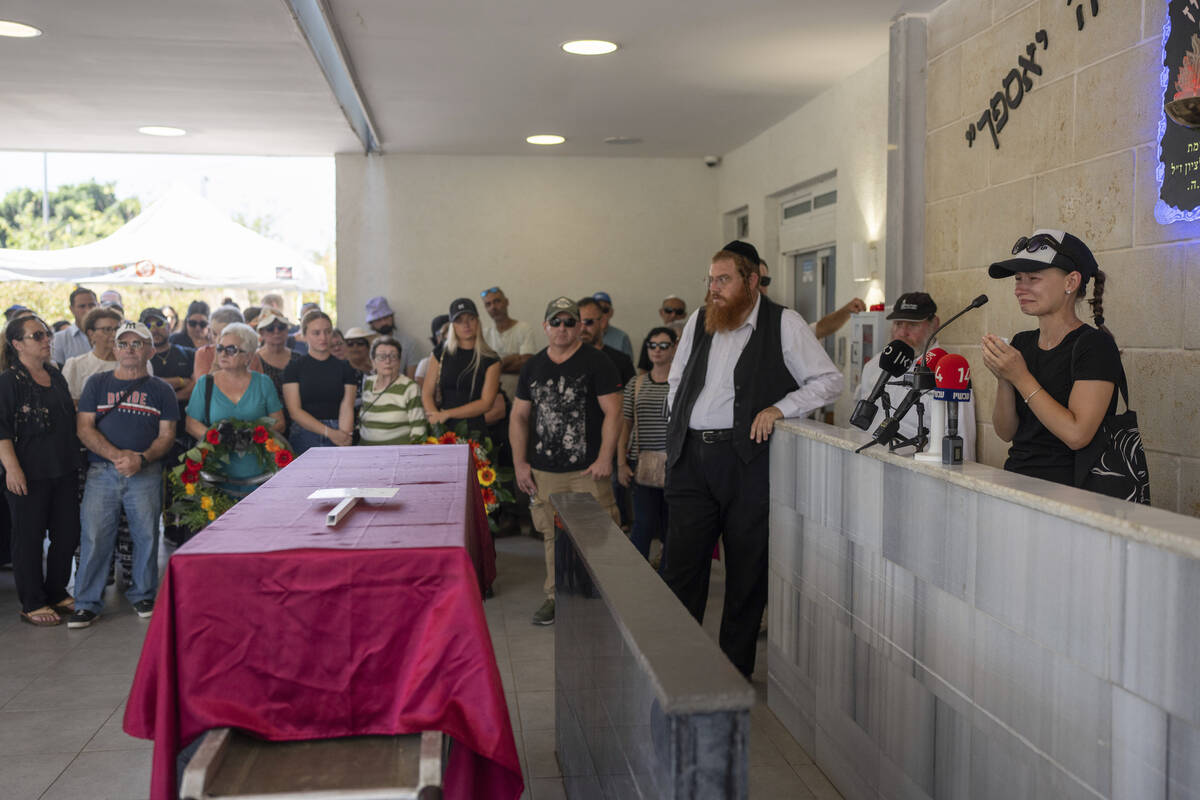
[934, 356]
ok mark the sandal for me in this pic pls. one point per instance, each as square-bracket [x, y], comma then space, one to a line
[44, 617]
[65, 607]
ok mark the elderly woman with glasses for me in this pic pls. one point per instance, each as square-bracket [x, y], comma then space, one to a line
[232, 391]
[40, 454]
[391, 410]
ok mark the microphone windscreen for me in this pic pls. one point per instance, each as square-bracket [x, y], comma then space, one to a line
[933, 357]
[953, 372]
[978, 301]
[896, 358]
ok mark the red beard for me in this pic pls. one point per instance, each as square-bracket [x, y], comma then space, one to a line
[728, 315]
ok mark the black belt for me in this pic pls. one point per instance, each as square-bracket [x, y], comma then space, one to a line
[711, 437]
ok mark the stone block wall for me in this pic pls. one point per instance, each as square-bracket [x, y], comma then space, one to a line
[1078, 154]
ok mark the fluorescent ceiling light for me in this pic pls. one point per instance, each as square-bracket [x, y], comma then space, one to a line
[545, 138]
[18, 30]
[589, 47]
[161, 130]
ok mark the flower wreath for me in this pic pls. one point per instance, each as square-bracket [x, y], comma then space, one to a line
[197, 498]
[491, 480]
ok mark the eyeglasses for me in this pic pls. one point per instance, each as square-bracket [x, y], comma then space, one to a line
[136, 344]
[492, 290]
[228, 349]
[719, 280]
[155, 323]
[274, 327]
[1040, 241]
[568, 321]
[357, 342]
[587, 323]
[387, 357]
[659, 345]
[197, 323]
[110, 330]
[676, 311]
[38, 336]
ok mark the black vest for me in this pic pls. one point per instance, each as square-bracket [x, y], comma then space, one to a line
[760, 379]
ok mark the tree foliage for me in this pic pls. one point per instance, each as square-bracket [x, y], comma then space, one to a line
[79, 214]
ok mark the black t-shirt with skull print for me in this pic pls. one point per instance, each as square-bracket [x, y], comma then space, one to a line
[566, 419]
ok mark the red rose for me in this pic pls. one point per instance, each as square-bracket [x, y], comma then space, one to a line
[192, 466]
[260, 434]
[212, 437]
[448, 438]
[188, 477]
[283, 458]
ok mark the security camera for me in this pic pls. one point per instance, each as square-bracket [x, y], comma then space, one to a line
[712, 161]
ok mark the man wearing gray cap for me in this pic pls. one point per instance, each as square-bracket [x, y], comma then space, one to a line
[382, 320]
[564, 427]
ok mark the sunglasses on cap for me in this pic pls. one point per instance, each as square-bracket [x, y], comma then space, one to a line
[492, 290]
[228, 349]
[197, 323]
[659, 345]
[1040, 241]
[675, 310]
[557, 321]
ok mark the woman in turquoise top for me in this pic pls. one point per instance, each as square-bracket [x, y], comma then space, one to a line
[237, 393]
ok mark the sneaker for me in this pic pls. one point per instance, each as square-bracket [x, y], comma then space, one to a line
[81, 618]
[144, 608]
[545, 614]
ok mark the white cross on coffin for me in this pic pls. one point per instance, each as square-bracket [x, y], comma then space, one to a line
[349, 499]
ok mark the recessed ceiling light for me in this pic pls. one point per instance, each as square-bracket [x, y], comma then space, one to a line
[589, 47]
[161, 130]
[18, 30]
[545, 138]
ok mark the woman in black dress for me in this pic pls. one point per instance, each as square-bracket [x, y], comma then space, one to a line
[464, 378]
[40, 453]
[1055, 383]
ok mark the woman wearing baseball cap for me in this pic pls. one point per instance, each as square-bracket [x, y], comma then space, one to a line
[1056, 382]
[464, 378]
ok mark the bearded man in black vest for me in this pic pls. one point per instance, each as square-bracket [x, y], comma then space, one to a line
[742, 363]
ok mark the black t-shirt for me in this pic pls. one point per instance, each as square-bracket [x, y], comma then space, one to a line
[462, 384]
[176, 362]
[622, 362]
[322, 384]
[567, 420]
[40, 421]
[1035, 450]
[183, 340]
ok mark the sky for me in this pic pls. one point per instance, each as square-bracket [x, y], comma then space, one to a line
[296, 194]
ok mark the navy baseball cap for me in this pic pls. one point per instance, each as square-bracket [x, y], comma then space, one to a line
[1047, 248]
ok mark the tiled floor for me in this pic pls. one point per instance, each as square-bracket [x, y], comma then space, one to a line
[62, 698]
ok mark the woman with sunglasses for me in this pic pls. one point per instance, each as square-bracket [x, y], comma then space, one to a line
[319, 390]
[274, 353]
[194, 332]
[1055, 383]
[643, 441]
[464, 379]
[236, 393]
[40, 454]
[391, 409]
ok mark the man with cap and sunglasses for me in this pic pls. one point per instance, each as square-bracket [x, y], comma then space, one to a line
[564, 428]
[742, 363]
[382, 320]
[914, 317]
[171, 362]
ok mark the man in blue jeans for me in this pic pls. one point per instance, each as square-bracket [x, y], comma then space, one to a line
[127, 422]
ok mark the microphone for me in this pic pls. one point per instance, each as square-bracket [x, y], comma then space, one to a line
[922, 377]
[890, 427]
[953, 377]
[895, 360]
[933, 356]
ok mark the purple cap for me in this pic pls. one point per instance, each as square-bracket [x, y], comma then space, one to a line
[378, 308]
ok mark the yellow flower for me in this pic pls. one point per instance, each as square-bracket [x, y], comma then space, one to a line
[206, 503]
[189, 488]
[431, 440]
[487, 476]
[212, 515]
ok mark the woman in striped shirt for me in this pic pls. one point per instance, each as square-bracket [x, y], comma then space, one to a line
[391, 403]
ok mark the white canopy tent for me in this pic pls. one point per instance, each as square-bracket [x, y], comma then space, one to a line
[181, 240]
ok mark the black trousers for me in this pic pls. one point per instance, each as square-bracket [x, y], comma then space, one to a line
[51, 504]
[711, 493]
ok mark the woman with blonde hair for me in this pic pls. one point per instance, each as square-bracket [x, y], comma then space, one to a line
[464, 379]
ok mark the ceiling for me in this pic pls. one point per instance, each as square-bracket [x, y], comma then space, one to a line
[692, 77]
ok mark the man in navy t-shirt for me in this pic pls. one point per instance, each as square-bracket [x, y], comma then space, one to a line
[127, 422]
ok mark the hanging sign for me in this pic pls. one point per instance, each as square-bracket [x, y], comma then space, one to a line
[1178, 168]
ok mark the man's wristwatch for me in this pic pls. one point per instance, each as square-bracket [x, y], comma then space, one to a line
[145, 461]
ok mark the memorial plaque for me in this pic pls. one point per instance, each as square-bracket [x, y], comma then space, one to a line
[1178, 168]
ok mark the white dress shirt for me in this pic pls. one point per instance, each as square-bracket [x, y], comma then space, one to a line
[819, 380]
[908, 424]
[68, 343]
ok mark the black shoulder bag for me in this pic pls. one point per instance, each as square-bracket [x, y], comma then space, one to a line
[1114, 463]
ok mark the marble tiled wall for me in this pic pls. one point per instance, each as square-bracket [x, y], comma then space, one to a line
[964, 646]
